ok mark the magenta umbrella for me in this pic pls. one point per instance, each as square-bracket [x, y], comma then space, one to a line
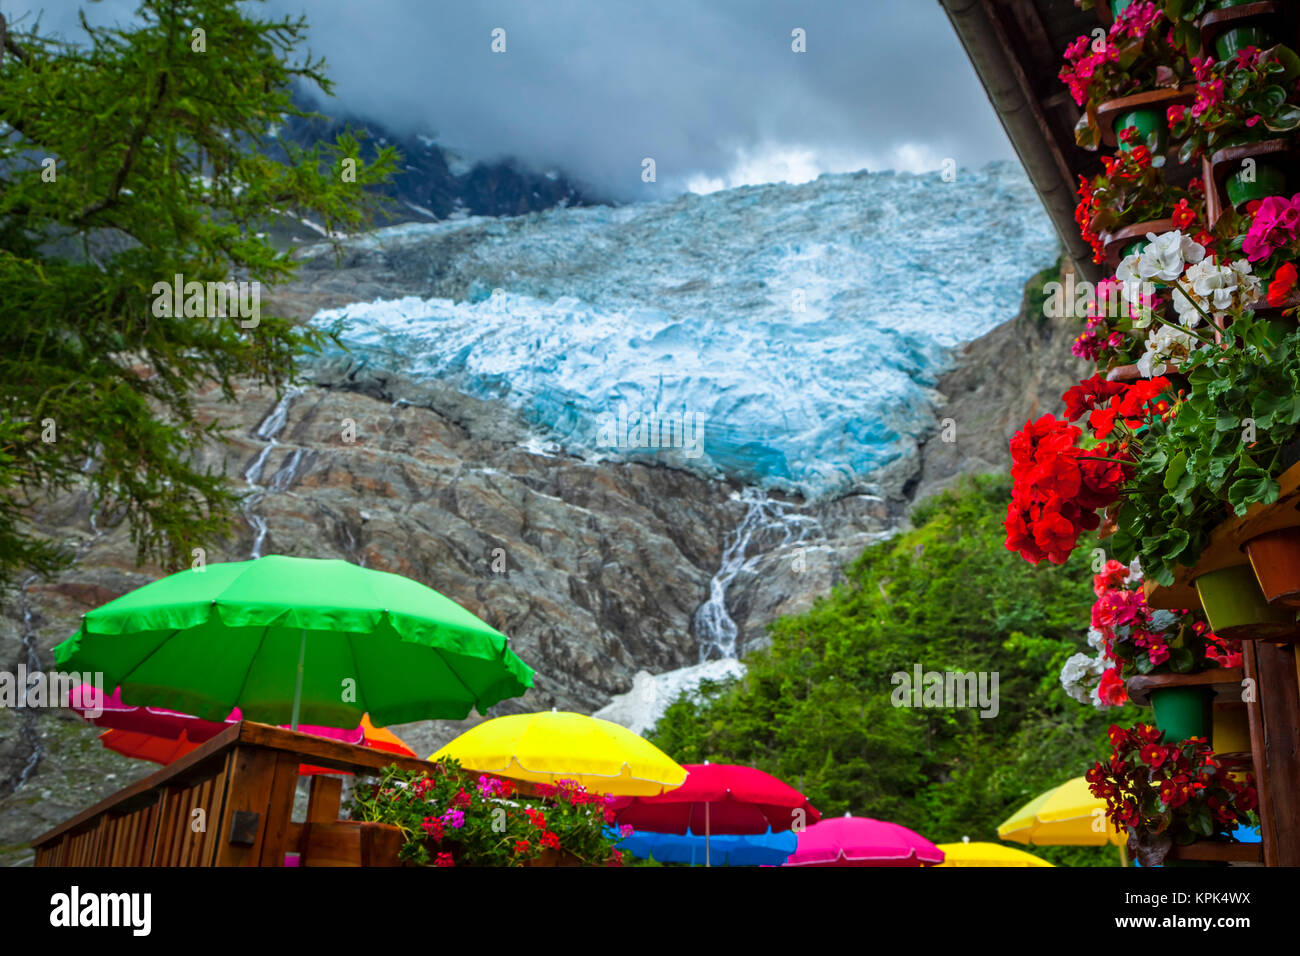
[862, 841]
[158, 722]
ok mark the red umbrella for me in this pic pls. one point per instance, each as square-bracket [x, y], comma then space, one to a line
[720, 798]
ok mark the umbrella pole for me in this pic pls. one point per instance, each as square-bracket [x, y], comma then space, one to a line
[706, 835]
[1123, 854]
[297, 687]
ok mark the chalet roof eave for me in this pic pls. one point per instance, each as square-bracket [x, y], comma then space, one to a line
[989, 51]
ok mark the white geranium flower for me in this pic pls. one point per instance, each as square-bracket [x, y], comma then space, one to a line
[1127, 271]
[1095, 638]
[1166, 344]
[1215, 289]
[1167, 255]
[1080, 675]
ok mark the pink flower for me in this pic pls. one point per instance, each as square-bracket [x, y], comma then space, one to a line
[1208, 96]
[1276, 222]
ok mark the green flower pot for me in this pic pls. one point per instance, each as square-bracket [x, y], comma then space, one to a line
[1236, 609]
[1230, 42]
[1269, 180]
[1152, 129]
[1119, 6]
[1137, 245]
[1183, 712]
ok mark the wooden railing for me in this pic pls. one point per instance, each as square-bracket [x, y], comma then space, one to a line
[227, 803]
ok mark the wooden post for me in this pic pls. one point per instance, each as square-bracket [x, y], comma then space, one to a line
[1275, 738]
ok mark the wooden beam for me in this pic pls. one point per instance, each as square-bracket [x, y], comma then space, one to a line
[1278, 761]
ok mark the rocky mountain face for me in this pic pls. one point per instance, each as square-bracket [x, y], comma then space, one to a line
[433, 183]
[595, 570]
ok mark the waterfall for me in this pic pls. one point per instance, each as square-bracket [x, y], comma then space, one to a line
[268, 431]
[27, 714]
[766, 525]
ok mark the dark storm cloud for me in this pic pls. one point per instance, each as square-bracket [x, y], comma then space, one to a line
[709, 88]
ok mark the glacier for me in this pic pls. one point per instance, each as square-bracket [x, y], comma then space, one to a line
[802, 326]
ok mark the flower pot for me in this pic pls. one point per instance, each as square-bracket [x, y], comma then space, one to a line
[1231, 42]
[351, 843]
[1275, 557]
[1182, 712]
[1230, 731]
[1236, 608]
[1152, 129]
[1119, 6]
[1269, 180]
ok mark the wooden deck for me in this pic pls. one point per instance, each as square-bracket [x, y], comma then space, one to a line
[228, 803]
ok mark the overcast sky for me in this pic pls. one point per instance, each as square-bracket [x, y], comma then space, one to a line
[710, 89]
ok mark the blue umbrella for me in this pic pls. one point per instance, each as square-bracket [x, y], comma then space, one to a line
[766, 849]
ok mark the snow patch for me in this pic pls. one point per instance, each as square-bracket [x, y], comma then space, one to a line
[640, 708]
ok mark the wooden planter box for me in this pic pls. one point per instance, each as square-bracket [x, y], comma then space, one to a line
[1226, 682]
[551, 857]
[1214, 23]
[1162, 99]
[351, 843]
[1218, 851]
[1117, 240]
[1217, 167]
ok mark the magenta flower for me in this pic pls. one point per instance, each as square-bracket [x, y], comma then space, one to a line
[454, 819]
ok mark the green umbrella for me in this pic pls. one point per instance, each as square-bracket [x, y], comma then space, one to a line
[296, 639]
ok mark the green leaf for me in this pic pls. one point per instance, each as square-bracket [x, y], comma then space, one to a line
[1253, 487]
[1174, 473]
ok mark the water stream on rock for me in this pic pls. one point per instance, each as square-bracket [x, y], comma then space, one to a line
[768, 524]
[268, 431]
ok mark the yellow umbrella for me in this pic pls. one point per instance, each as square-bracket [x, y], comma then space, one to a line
[966, 853]
[557, 745]
[1068, 815]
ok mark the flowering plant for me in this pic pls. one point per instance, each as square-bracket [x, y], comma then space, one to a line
[447, 818]
[1238, 101]
[1271, 244]
[1166, 794]
[1057, 484]
[1110, 321]
[1131, 190]
[1131, 638]
[1136, 54]
[1224, 442]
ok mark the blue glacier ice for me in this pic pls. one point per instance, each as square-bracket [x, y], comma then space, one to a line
[802, 326]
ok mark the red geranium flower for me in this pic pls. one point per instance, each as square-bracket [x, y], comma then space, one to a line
[1284, 282]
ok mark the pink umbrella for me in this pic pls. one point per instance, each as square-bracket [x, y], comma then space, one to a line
[862, 841]
[157, 722]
